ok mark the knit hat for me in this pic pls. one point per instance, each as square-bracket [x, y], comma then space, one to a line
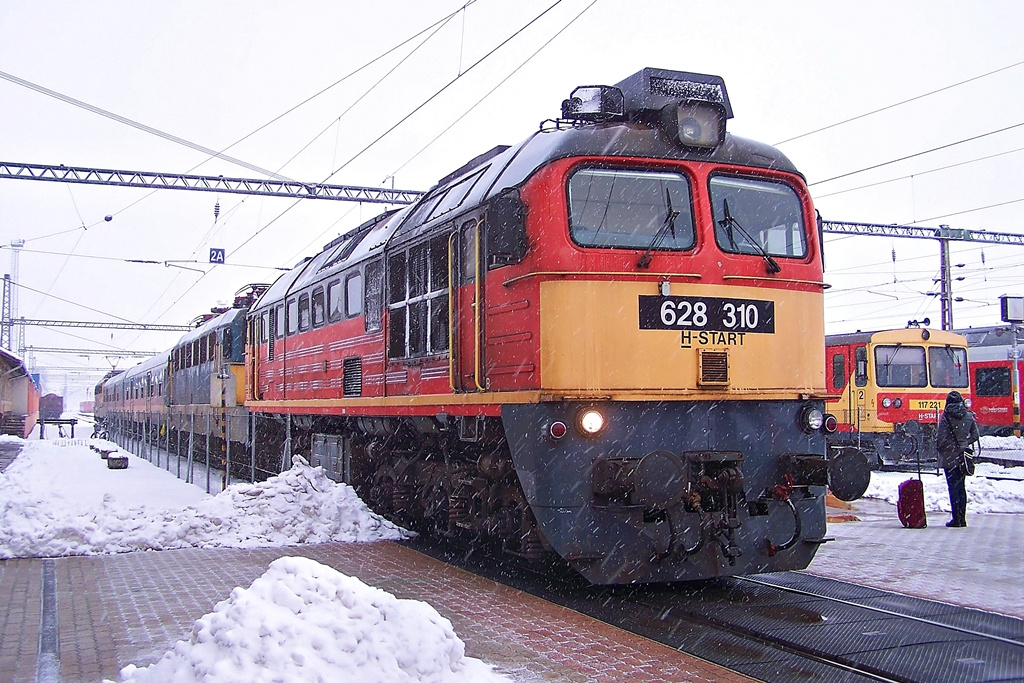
[954, 397]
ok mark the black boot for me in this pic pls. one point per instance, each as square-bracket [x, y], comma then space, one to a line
[953, 522]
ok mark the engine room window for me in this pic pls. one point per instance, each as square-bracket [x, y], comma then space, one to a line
[335, 301]
[293, 316]
[630, 209]
[353, 294]
[757, 217]
[280, 321]
[303, 312]
[319, 309]
[418, 304]
[900, 366]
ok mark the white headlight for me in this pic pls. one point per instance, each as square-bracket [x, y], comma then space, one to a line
[813, 418]
[590, 421]
[886, 402]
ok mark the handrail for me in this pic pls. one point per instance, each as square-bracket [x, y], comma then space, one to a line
[592, 273]
[477, 309]
[793, 281]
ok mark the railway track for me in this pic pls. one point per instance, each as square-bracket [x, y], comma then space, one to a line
[793, 626]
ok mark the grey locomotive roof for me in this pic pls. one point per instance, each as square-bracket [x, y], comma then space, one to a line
[994, 335]
[222, 320]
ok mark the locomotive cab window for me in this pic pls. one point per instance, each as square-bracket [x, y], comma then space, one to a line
[293, 316]
[353, 294]
[757, 217]
[947, 367]
[624, 209]
[304, 318]
[900, 366]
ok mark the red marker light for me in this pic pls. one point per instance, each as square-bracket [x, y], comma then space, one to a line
[557, 430]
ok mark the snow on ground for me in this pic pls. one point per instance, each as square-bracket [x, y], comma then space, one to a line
[57, 501]
[300, 621]
[304, 621]
[993, 488]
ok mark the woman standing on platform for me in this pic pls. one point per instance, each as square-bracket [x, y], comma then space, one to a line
[956, 431]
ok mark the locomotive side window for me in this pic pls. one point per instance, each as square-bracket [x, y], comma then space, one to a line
[353, 294]
[900, 366]
[992, 382]
[279, 318]
[319, 309]
[335, 300]
[630, 209]
[374, 295]
[947, 367]
[838, 371]
[757, 216]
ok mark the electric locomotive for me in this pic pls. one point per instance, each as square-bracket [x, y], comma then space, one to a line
[891, 388]
[604, 344]
[991, 354]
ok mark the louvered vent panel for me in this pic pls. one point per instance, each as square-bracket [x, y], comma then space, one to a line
[352, 377]
[714, 368]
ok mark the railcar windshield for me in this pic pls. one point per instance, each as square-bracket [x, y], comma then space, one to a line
[947, 366]
[900, 366]
[757, 217]
[631, 209]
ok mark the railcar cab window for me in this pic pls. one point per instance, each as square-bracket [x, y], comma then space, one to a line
[758, 217]
[900, 366]
[418, 300]
[629, 209]
[947, 367]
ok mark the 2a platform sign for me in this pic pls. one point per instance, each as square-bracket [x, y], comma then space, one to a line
[216, 256]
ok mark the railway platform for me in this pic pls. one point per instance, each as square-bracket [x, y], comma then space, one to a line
[115, 610]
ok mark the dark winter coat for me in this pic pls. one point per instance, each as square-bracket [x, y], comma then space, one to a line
[957, 429]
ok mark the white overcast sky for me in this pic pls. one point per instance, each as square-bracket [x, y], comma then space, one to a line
[212, 73]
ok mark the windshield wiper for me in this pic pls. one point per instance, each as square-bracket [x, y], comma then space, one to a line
[668, 225]
[895, 350]
[728, 222]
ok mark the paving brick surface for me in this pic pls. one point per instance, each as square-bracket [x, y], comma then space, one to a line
[20, 605]
[116, 610]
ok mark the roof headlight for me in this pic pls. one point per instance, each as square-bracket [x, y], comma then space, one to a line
[590, 422]
[695, 124]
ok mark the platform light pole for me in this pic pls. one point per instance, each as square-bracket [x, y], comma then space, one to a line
[1012, 311]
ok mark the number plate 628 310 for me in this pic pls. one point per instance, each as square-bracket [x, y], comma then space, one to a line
[707, 313]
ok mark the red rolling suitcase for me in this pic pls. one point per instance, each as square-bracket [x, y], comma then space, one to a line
[910, 505]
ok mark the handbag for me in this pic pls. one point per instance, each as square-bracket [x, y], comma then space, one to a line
[965, 463]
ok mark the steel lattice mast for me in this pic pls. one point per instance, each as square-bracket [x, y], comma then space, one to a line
[205, 183]
[943, 234]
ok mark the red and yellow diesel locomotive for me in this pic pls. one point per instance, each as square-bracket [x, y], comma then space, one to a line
[604, 344]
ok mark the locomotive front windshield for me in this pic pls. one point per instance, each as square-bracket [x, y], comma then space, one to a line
[947, 366]
[757, 217]
[630, 209]
[900, 366]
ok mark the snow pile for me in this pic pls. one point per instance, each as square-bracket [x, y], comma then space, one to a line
[304, 621]
[58, 501]
[992, 489]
